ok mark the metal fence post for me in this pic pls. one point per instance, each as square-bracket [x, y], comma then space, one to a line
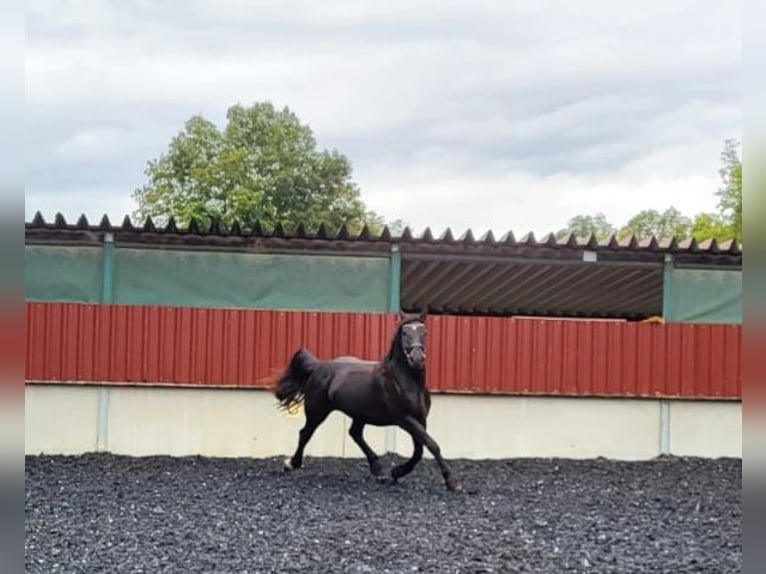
[395, 277]
[664, 427]
[394, 307]
[667, 314]
[667, 288]
[107, 298]
[107, 289]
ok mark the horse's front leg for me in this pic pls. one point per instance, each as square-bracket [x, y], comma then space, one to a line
[419, 435]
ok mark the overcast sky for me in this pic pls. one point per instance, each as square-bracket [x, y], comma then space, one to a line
[540, 109]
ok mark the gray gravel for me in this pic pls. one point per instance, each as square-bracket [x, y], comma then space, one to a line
[104, 513]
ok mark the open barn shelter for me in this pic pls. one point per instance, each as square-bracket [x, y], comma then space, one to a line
[148, 339]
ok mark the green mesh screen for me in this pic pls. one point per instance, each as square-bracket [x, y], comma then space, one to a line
[706, 296]
[57, 273]
[215, 279]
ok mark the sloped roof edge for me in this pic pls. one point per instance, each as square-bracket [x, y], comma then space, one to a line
[256, 229]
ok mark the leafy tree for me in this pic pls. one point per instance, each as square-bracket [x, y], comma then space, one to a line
[585, 225]
[730, 194]
[709, 226]
[263, 165]
[651, 223]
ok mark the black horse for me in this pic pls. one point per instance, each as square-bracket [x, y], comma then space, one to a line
[390, 392]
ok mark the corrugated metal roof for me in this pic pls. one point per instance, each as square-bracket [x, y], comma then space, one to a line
[256, 230]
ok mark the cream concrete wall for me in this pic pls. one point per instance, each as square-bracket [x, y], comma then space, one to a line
[140, 421]
[226, 422]
[718, 433]
[218, 422]
[60, 419]
[501, 427]
[235, 422]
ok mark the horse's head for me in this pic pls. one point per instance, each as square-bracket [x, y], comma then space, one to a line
[412, 339]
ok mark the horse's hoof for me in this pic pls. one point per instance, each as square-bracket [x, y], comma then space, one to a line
[454, 485]
[376, 468]
[389, 480]
[287, 465]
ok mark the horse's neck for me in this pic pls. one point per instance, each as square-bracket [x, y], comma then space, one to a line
[394, 362]
[406, 377]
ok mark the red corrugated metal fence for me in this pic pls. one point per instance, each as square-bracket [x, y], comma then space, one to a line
[221, 347]
[595, 358]
[136, 344]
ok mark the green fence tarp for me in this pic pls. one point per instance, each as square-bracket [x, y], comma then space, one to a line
[242, 280]
[706, 296]
[57, 273]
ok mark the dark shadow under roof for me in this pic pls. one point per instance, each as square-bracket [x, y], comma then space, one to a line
[496, 288]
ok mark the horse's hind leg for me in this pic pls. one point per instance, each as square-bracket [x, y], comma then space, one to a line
[314, 417]
[356, 433]
[407, 466]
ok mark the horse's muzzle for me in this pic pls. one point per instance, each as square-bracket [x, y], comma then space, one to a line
[417, 357]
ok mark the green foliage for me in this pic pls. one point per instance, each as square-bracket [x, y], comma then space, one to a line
[711, 226]
[730, 194]
[263, 166]
[587, 225]
[651, 223]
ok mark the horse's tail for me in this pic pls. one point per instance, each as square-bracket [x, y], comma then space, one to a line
[290, 387]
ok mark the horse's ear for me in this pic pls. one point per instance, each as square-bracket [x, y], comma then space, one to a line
[404, 316]
[413, 316]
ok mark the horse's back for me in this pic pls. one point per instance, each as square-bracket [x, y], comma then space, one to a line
[354, 367]
[356, 360]
[346, 368]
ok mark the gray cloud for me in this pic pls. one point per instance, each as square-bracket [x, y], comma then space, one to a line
[481, 91]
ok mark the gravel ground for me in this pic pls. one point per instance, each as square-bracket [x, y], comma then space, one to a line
[104, 513]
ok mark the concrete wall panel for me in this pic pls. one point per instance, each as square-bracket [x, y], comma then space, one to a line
[60, 419]
[245, 423]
